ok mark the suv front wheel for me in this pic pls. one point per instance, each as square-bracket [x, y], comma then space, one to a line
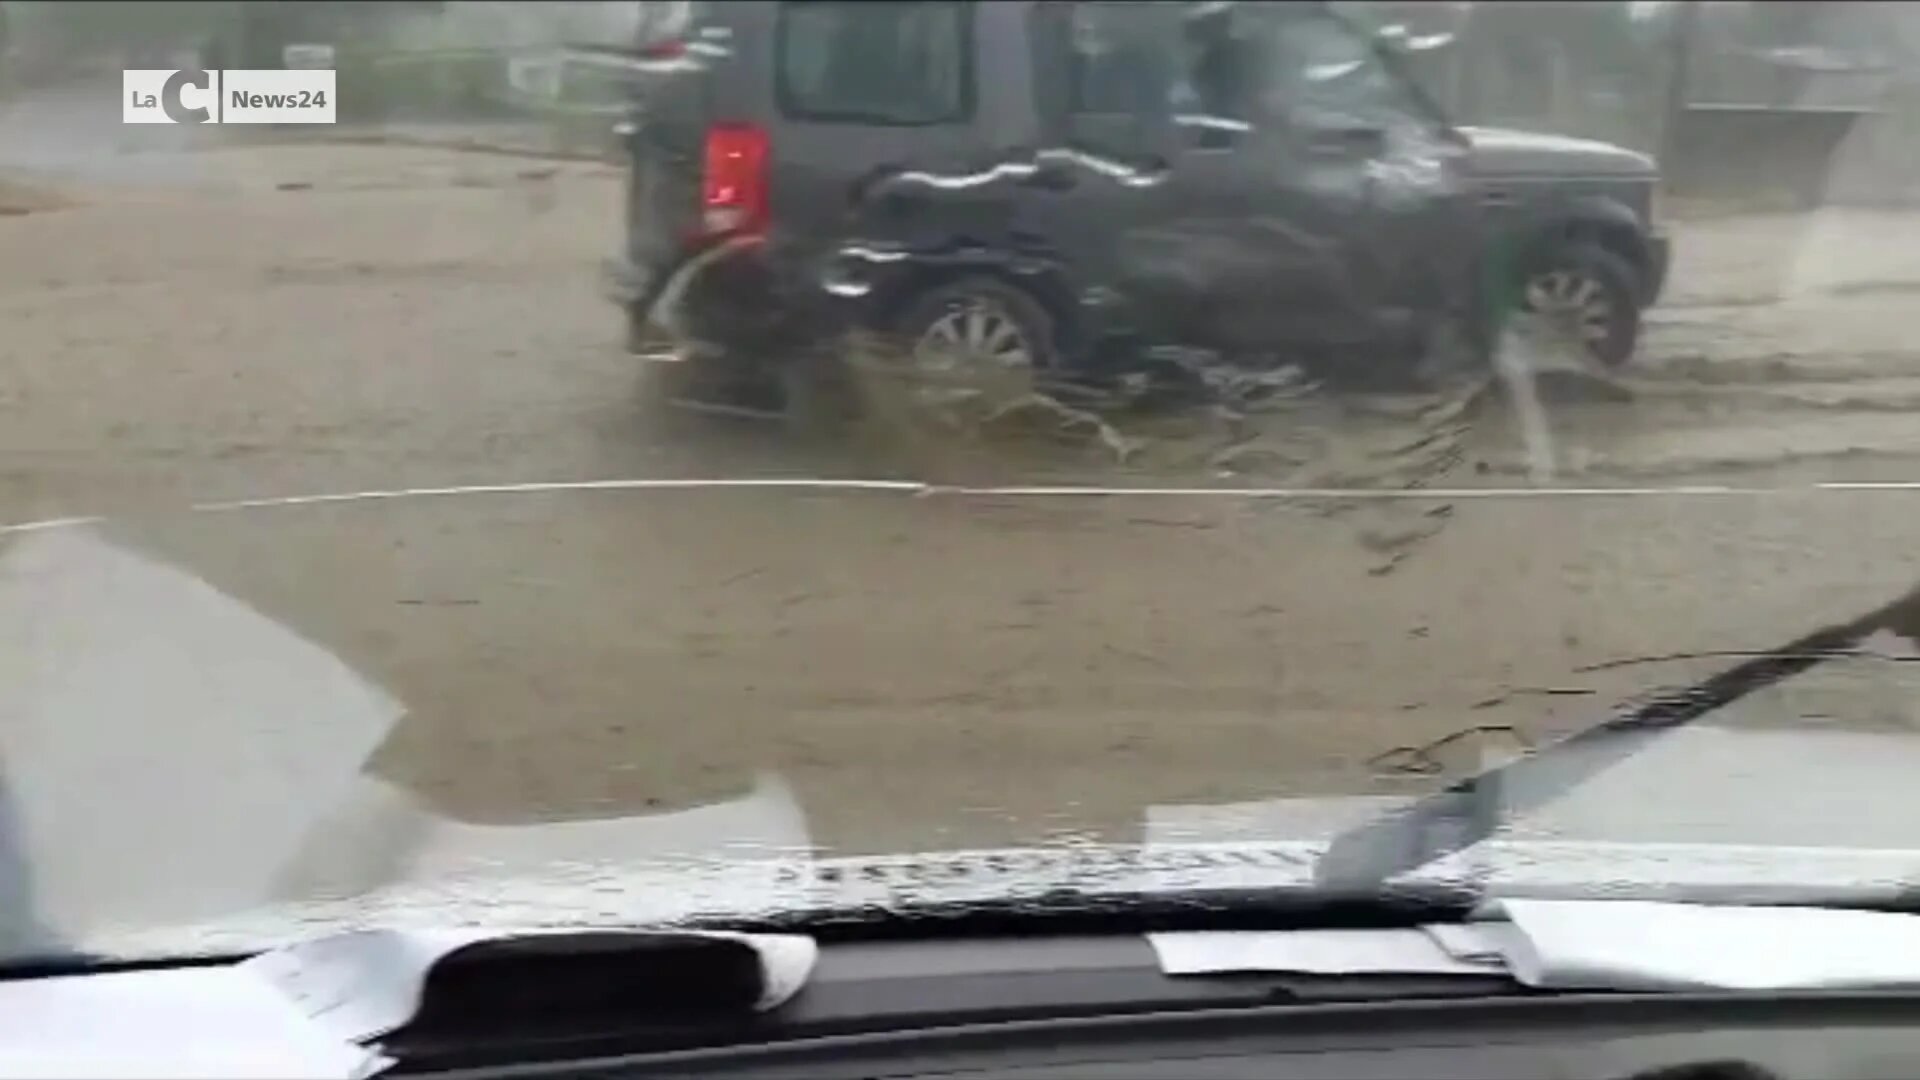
[1596, 292]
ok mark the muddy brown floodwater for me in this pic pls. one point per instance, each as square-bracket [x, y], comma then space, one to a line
[926, 670]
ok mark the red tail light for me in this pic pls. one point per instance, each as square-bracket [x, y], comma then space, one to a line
[733, 192]
[669, 49]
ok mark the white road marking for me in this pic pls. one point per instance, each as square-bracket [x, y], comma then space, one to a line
[1440, 494]
[50, 523]
[923, 489]
[660, 483]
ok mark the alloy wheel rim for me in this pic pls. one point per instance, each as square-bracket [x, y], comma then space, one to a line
[977, 335]
[1579, 300]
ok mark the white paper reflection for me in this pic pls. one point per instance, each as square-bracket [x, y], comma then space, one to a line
[183, 774]
[164, 745]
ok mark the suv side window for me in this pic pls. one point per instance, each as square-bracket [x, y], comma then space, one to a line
[868, 62]
[1102, 73]
[1288, 65]
[1112, 64]
[1327, 72]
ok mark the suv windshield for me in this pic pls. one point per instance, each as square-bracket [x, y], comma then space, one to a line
[585, 463]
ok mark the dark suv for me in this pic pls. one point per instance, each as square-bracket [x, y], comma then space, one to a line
[1058, 184]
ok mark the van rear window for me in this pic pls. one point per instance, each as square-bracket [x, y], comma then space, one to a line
[864, 62]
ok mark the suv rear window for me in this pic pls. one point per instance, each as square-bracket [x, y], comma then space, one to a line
[875, 63]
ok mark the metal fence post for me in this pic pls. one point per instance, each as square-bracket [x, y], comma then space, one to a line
[1686, 25]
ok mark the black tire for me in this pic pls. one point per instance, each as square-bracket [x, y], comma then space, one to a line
[1027, 314]
[1618, 331]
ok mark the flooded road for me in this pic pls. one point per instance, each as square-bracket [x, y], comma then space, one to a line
[925, 668]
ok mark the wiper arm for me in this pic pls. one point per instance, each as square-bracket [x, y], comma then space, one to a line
[1363, 859]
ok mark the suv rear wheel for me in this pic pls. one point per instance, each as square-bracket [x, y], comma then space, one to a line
[1596, 292]
[978, 326]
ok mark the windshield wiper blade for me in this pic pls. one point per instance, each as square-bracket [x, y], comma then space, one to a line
[1363, 859]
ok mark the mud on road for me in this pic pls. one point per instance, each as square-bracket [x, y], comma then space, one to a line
[926, 670]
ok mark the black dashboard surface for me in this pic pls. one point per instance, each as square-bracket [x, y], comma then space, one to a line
[1099, 1007]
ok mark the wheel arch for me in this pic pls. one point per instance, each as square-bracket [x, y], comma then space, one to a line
[1607, 224]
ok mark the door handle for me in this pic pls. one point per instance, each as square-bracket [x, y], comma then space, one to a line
[1346, 142]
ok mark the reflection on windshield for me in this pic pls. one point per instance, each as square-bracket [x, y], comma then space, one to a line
[347, 847]
[850, 452]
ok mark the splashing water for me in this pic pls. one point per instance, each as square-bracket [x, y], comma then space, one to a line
[1528, 345]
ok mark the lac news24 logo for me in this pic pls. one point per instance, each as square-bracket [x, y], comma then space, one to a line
[232, 96]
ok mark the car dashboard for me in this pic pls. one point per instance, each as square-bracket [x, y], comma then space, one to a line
[1098, 1006]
